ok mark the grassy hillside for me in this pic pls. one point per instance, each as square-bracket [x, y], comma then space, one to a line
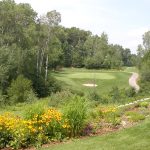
[135, 138]
[105, 79]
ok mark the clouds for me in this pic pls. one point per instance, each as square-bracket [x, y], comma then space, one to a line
[130, 38]
[124, 21]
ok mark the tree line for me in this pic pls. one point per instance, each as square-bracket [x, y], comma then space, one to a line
[30, 46]
[143, 56]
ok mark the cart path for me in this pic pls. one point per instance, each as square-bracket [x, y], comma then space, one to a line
[133, 81]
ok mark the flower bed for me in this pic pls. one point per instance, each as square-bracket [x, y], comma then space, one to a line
[52, 125]
[16, 132]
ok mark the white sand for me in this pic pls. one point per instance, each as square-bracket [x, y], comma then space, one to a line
[90, 85]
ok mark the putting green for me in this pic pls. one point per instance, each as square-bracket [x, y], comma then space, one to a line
[85, 75]
[104, 79]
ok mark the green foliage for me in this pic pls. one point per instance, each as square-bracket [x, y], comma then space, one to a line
[75, 112]
[115, 94]
[145, 67]
[45, 88]
[20, 90]
[144, 104]
[30, 46]
[134, 116]
[111, 115]
[93, 96]
[130, 92]
[59, 98]
[2, 99]
[74, 78]
[16, 132]
[144, 88]
[33, 109]
[121, 140]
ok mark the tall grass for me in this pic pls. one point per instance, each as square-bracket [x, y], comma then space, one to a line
[75, 111]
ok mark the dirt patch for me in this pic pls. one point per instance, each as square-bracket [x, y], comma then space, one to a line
[90, 85]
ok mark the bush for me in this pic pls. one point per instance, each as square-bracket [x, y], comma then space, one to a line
[134, 116]
[53, 124]
[115, 94]
[43, 88]
[20, 90]
[34, 109]
[144, 88]
[18, 133]
[111, 115]
[13, 131]
[144, 104]
[59, 98]
[75, 111]
[2, 99]
[93, 96]
[130, 92]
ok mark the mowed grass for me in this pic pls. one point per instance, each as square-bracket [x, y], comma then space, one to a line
[105, 79]
[135, 138]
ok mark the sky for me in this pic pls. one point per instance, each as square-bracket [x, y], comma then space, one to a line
[125, 21]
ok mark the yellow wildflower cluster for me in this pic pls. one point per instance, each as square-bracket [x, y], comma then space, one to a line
[51, 115]
[109, 110]
[15, 124]
[9, 121]
[20, 130]
[65, 124]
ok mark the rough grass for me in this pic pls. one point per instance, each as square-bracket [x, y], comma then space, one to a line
[20, 108]
[105, 79]
[135, 138]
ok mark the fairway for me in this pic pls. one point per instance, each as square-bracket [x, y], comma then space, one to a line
[104, 79]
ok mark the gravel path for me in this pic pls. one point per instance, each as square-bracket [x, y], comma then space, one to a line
[133, 81]
[137, 101]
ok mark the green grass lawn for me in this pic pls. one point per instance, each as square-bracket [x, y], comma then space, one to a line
[73, 78]
[135, 138]
[105, 79]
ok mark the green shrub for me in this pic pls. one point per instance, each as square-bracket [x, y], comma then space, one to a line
[134, 116]
[130, 92]
[75, 111]
[2, 99]
[20, 90]
[98, 99]
[59, 98]
[115, 94]
[144, 88]
[34, 109]
[94, 114]
[93, 96]
[111, 115]
[43, 88]
[144, 104]
[16, 132]
[77, 92]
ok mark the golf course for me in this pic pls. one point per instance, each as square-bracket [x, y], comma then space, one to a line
[105, 80]
[74, 75]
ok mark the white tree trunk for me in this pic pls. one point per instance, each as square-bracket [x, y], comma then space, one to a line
[46, 68]
[41, 61]
[37, 63]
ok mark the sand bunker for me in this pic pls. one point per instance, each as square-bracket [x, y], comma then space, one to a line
[90, 85]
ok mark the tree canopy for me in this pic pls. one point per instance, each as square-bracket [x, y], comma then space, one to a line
[32, 45]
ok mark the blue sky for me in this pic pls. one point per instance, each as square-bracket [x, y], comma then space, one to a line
[125, 21]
